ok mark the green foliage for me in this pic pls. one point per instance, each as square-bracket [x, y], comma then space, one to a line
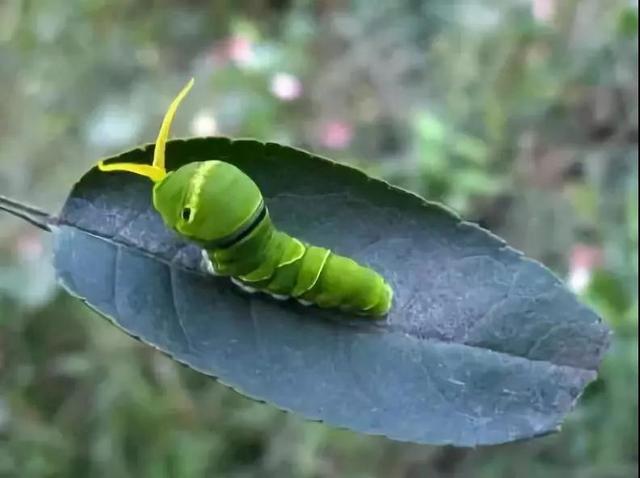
[454, 165]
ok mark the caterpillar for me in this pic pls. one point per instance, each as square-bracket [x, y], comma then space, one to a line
[218, 207]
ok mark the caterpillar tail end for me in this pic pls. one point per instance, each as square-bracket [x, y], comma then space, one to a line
[382, 308]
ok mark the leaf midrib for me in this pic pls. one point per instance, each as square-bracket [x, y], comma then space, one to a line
[389, 328]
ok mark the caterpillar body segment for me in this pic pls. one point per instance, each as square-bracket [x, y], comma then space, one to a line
[287, 267]
[219, 207]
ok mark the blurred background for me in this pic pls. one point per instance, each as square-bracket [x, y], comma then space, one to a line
[520, 114]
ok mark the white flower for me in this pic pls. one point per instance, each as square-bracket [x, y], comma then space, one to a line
[204, 124]
[286, 86]
[579, 279]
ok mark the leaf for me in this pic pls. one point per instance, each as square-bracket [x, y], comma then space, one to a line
[482, 345]
[628, 22]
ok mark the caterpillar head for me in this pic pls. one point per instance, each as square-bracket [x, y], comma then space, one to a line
[207, 201]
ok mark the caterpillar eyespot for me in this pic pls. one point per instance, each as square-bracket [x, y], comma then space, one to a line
[222, 211]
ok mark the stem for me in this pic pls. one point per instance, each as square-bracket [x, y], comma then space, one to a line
[32, 215]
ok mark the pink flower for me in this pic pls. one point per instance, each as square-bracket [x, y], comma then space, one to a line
[336, 134]
[286, 86]
[29, 247]
[237, 49]
[583, 260]
[240, 50]
[543, 10]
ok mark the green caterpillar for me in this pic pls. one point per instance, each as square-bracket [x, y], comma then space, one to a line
[217, 206]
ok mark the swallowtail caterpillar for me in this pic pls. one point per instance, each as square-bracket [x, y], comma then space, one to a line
[217, 206]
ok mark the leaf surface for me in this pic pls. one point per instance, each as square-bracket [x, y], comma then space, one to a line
[482, 345]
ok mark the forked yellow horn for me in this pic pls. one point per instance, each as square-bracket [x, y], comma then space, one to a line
[163, 134]
[157, 171]
[153, 173]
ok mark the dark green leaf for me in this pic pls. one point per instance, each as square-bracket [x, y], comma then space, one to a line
[482, 345]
